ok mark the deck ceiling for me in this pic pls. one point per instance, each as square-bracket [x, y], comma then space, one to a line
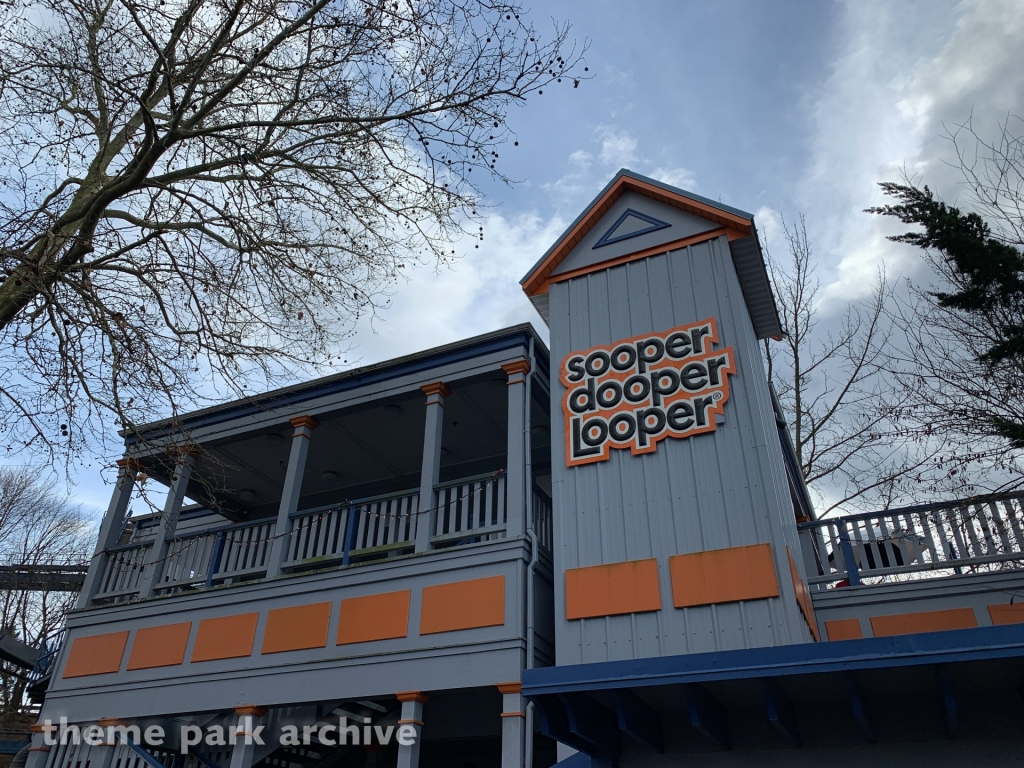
[360, 451]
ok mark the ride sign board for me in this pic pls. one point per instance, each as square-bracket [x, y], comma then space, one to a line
[638, 391]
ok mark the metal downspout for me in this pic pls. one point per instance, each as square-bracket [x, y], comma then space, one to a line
[528, 726]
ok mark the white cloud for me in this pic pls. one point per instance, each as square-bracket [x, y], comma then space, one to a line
[770, 230]
[676, 177]
[899, 77]
[581, 158]
[618, 148]
[479, 293]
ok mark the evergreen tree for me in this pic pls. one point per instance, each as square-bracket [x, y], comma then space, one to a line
[986, 281]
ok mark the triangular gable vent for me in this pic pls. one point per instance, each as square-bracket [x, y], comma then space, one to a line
[630, 224]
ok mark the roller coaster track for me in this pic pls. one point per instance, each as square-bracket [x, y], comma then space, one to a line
[52, 578]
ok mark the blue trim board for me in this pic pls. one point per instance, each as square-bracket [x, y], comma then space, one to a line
[958, 645]
[610, 237]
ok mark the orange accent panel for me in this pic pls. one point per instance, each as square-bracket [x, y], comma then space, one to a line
[96, 655]
[612, 589]
[1006, 614]
[374, 617]
[227, 637]
[297, 628]
[159, 646]
[436, 388]
[463, 605]
[926, 621]
[723, 576]
[537, 282]
[803, 597]
[843, 629]
[653, 251]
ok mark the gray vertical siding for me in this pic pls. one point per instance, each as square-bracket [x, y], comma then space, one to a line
[725, 489]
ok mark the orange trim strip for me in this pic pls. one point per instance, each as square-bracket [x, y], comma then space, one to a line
[96, 655]
[410, 721]
[463, 605]
[374, 617]
[517, 366]
[417, 696]
[509, 687]
[612, 589]
[1006, 614]
[304, 421]
[653, 251]
[436, 388]
[538, 281]
[253, 710]
[513, 714]
[925, 621]
[296, 629]
[225, 637]
[723, 576]
[803, 597]
[843, 629]
[159, 646]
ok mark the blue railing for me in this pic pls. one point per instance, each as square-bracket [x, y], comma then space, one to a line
[48, 650]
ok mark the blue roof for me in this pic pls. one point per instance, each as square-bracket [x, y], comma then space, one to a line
[976, 644]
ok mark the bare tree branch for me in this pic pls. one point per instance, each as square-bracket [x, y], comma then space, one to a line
[198, 197]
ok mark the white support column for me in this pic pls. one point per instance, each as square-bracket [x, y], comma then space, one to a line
[430, 469]
[412, 715]
[515, 471]
[513, 726]
[244, 750]
[110, 528]
[154, 566]
[304, 426]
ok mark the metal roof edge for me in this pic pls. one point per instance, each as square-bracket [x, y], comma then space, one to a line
[577, 220]
[798, 659]
[344, 380]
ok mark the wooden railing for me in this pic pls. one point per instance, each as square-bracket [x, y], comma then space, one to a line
[123, 572]
[218, 555]
[469, 510]
[361, 530]
[967, 536]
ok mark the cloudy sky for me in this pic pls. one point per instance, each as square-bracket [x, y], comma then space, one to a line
[777, 108]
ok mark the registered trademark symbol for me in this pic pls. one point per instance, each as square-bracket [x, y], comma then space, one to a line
[717, 395]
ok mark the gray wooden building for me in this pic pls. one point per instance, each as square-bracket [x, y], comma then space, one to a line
[604, 555]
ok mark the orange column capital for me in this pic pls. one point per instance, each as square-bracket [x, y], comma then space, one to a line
[416, 696]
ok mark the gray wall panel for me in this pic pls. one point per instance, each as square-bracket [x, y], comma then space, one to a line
[683, 224]
[724, 489]
[458, 659]
[971, 590]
